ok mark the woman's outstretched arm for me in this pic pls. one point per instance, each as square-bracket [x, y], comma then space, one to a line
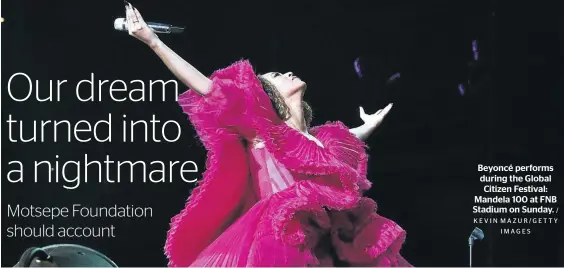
[362, 132]
[183, 70]
[371, 122]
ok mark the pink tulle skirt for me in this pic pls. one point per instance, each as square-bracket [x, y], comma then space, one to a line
[357, 237]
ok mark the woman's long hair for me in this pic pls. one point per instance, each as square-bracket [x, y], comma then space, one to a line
[280, 106]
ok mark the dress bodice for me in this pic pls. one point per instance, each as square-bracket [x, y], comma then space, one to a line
[268, 175]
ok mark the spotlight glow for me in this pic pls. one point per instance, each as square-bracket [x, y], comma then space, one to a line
[357, 67]
[461, 89]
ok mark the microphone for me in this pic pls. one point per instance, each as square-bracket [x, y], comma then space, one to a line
[477, 234]
[121, 25]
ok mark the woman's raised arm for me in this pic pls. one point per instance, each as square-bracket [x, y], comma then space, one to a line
[183, 70]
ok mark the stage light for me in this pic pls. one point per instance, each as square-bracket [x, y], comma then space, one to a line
[461, 89]
[64, 255]
[393, 78]
[475, 49]
[357, 67]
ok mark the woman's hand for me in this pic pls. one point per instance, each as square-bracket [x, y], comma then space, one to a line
[375, 119]
[137, 26]
[371, 122]
[183, 70]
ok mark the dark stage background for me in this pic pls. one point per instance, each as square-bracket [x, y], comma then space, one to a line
[423, 158]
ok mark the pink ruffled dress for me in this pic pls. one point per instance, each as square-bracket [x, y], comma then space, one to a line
[271, 196]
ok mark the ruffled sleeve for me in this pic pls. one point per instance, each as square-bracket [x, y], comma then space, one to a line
[235, 105]
[221, 118]
[346, 148]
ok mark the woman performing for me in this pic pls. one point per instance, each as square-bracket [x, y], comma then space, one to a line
[276, 191]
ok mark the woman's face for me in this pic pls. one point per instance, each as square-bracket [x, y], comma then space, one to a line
[287, 84]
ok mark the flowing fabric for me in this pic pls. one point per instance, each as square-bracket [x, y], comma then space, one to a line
[272, 197]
